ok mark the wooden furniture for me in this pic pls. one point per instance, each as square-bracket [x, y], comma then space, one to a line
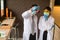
[9, 21]
[6, 28]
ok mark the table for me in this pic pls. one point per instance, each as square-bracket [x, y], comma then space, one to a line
[6, 28]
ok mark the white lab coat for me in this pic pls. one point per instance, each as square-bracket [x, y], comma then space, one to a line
[46, 25]
[27, 16]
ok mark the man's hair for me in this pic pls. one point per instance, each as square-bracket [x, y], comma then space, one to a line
[48, 8]
[34, 5]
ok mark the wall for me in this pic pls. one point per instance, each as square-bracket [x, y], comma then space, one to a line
[19, 6]
[56, 14]
[57, 33]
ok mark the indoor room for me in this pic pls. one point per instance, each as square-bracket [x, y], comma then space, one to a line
[16, 20]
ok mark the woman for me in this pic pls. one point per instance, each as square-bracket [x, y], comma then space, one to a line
[46, 23]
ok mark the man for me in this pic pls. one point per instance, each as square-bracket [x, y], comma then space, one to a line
[46, 23]
[30, 22]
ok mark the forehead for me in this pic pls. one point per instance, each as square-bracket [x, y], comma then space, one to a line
[46, 10]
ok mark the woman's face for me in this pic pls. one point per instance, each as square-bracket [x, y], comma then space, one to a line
[46, 12]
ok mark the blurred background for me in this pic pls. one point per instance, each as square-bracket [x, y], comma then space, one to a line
[19, 6]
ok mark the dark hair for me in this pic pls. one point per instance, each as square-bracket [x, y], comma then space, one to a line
[48, 8]
[34, 5]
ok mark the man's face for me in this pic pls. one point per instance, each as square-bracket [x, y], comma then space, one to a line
[35, 9]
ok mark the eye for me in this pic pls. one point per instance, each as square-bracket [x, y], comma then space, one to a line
[46, 11]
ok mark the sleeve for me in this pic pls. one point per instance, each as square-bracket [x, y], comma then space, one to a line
[26, 14]
[39, 24]
[50, 24]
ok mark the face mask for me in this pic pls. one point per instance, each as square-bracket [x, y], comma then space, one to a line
[46, 14]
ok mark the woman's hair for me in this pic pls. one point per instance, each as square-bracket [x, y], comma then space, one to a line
[48, 8]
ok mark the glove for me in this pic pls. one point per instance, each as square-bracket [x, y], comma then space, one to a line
[34, 12]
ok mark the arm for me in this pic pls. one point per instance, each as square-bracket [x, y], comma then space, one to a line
[50, 24]
[26, 14]
[40, 23]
